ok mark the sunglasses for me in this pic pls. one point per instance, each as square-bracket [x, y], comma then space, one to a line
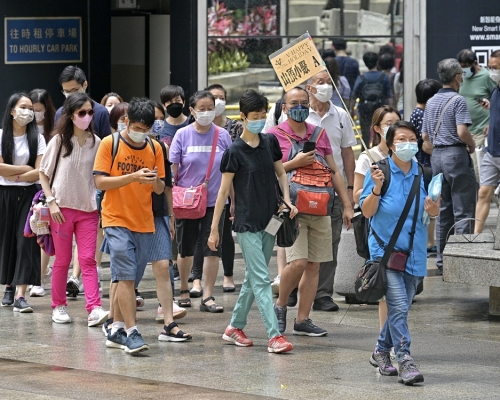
[82, 113]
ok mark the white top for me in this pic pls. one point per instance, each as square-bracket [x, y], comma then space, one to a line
[363, 164]
[338, 128]
[21, 156]
[270, 119]
[398, 89]
[73, 185]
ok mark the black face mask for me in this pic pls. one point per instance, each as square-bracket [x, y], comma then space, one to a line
[174, 109]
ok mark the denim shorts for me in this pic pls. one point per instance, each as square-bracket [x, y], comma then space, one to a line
[128, 252]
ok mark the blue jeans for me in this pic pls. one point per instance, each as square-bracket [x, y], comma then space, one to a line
[256, 249]
[401, 288]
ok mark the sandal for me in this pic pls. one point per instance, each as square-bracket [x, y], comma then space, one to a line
[213, 308]
[184, 302]
[167, 336]
[193, 293]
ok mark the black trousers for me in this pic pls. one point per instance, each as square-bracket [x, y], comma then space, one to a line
[19, 256]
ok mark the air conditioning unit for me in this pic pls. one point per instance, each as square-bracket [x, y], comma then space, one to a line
[372, 23]
[330, 20]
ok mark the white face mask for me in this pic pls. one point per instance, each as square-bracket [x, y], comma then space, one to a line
[138, 137]
[109, 108]
[385, 129]
[24, 116]
[39, 116]
[495, 75]
[121, 126]
[220, 106]
[323, 92]
[204, 118]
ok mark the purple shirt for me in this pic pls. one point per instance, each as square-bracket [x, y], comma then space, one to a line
[191, 150]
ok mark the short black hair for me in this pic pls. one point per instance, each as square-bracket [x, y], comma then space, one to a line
[327, 53]
[141, 110]
[216, 86]
[171, 91]
[253, 101]
[391, 132]
[339, 43]
[386, 61]
[370, 59]
[427, 88]
[72, 73]
[466, 56]
[387, 49]
[159, 107]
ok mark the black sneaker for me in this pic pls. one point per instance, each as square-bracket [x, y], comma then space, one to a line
[292, 298]
[281, 316]
[307, 328]
[22, 306]
[8, 296]
[176, 273]
[325, 304]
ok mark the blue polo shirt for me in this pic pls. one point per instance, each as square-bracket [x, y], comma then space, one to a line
[494, 129]
[390, 207]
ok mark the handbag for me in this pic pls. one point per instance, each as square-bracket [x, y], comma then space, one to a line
[361, 227]
[191, 203]
[289, 229]
[371, 281]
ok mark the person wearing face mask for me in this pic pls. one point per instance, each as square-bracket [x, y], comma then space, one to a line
[384, 211]
[190, 154]
[110, 100]
[138, 170]
[21, 150]
[69, 192]
[447, 138]
[490, 165]
[44, 116]
[314, 244]
[172, 98]
[477, 86]
[73, 80]
[117, 117]
[251, 165]
[336, 123]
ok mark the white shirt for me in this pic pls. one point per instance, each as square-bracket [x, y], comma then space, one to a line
[21, 156]
[338, 128]
[270, 119]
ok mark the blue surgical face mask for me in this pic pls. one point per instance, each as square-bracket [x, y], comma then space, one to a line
[467, 72]
[256, 126]
[406, 151]
[298, 113]
[157, 126]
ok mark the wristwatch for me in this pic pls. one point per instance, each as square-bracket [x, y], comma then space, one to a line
[49, 199]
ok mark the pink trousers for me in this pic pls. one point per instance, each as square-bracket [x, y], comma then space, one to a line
[84, 226]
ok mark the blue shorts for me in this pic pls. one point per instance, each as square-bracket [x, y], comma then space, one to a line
[128, 252]
[161, 244]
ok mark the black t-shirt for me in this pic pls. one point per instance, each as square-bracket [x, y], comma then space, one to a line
[160, 206]
[254, 181]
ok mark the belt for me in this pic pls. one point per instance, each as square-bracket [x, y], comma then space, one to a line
[442, 146]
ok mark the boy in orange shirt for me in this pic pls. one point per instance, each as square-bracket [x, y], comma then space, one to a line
[127, 216]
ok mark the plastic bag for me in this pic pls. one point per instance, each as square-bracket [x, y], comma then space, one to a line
[434, 190]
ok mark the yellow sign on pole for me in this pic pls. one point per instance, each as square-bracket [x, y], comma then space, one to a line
[297, 62]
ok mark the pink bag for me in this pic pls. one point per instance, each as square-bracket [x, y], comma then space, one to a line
[191, 203]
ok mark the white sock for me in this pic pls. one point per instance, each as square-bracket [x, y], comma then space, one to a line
[117, 325]
[131, 329]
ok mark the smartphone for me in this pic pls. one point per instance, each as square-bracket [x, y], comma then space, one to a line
[309, 146]
[480, 100]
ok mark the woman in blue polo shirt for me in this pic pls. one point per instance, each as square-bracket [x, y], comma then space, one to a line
[384, 211]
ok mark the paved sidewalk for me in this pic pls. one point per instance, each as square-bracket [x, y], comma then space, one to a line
[453, 340]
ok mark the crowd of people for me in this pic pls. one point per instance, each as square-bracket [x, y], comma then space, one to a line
[110, 174]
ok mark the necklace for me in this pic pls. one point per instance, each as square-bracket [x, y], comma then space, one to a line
[382, 152]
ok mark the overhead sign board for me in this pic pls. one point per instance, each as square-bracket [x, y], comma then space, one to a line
[43, 40]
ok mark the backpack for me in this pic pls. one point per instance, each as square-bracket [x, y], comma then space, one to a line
[277, 111]
[372, 94]
[311, 187]
[114, 151]
[386, 169]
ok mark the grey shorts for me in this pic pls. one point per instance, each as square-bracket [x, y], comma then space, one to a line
[489, 173]
[161, 244]
[128, 252]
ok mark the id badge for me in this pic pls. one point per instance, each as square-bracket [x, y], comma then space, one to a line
[188, 197]
[273, 225]
[45, 214]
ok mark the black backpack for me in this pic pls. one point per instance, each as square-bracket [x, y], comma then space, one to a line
[277, 111]
[372, 94]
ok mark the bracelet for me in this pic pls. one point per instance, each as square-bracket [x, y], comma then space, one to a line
[350, 187]
[433, 216]
[170, 215]
[375, 194]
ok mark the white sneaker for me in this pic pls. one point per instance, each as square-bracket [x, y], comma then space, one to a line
[97, 316]
[60, 315]
[275, 286]
[37, 291]
[178, 312]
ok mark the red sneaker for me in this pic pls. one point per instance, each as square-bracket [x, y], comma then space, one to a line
[236, 336]
[279, 344]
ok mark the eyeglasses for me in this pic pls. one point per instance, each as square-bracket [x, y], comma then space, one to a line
[82, 113]
[296, 103]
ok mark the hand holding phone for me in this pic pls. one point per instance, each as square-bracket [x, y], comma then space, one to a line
[309, 146]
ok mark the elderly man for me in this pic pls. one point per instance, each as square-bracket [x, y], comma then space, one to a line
[490, 166]
[447, 137]
[336, 123]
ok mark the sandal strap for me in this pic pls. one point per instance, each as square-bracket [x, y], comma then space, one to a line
[208, 299]
[170, 326]
[184, 291]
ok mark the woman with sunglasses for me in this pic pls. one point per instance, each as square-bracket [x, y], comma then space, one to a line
[70, 193]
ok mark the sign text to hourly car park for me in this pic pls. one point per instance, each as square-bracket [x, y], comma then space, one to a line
[297, 62]
[43, 40]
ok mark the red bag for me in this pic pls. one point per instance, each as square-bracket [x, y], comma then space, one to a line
[191, 203]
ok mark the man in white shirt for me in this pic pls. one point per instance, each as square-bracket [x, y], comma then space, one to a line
[339, 129]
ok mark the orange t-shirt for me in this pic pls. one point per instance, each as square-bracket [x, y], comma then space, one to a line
[129, 206]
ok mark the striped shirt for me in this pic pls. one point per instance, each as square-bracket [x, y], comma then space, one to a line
[456, 114]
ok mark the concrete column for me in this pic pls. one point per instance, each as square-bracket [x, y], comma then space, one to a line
[495, 301]
[496, 246]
